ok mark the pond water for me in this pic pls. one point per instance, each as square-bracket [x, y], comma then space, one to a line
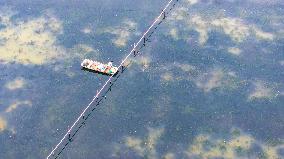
[210, 84]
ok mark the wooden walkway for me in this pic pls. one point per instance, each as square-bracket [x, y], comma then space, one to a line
[101, 93]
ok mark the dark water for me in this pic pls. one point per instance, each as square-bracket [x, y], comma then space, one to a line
[209, 85]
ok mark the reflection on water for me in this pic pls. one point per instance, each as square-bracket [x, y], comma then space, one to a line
[236, 145]
[17, 83]
[209, 85]
[261, 90]
[122, 33]
[3, 124]
[239, 145]
[30, 42]
[147, 147]
[16, 104]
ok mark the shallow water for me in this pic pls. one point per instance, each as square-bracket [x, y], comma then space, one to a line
[209, 85]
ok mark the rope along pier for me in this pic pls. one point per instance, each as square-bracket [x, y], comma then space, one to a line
[101, 94]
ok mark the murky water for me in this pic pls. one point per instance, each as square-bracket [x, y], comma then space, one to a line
[209, 85]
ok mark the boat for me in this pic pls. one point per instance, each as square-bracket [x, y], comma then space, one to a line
[96, 66]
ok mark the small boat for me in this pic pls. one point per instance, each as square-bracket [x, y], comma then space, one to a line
[99, 67]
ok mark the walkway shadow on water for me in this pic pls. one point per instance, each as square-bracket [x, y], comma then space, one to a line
[93, 106]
